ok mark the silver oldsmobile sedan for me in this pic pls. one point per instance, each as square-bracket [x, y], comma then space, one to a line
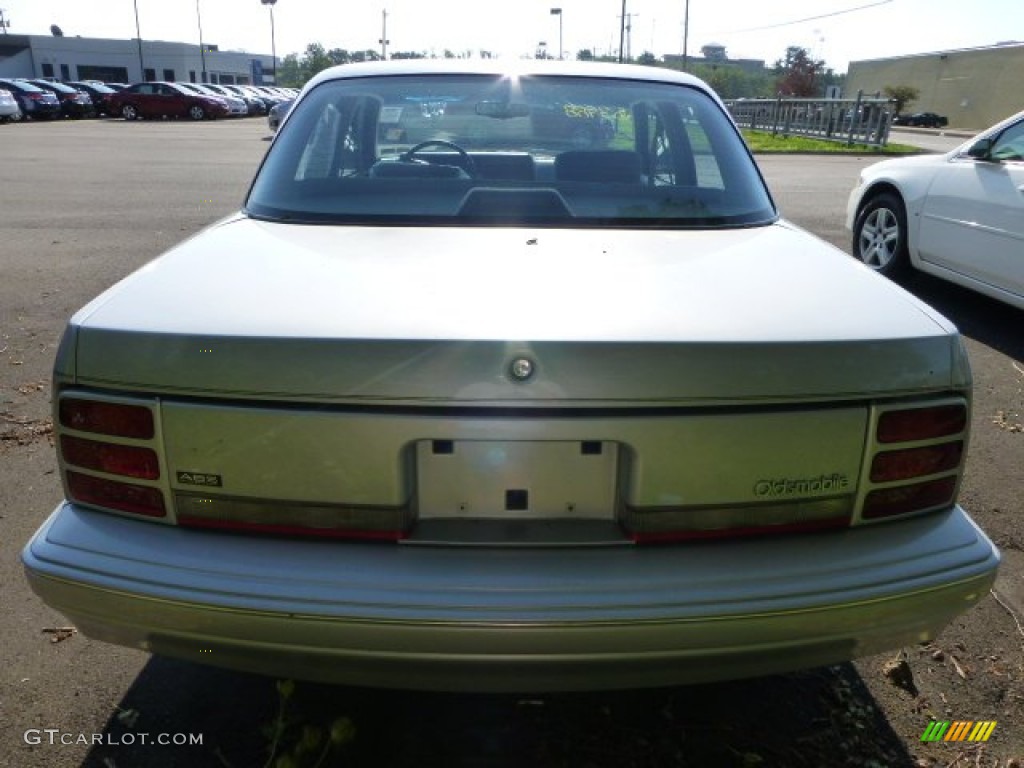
[465, 398]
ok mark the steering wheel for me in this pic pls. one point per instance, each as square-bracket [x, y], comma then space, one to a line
[469, 165]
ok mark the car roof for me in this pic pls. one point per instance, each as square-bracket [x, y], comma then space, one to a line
[509, 67]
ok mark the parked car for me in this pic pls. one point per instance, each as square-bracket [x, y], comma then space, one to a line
[265, 100]
[271, 93]
[467, 408]
[922, 119]
[236, 106]
[254, 104]
[34, 102]
[277, 114]
[98, 92]
[958, 216]
[9, 109]
[162, 99]
[74, 103]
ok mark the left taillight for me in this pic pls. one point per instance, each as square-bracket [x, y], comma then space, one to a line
[109, 454]
[917, 459]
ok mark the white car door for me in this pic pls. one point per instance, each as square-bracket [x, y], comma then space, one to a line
[972, 221]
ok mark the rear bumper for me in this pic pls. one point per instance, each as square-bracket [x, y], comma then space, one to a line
[500, 619]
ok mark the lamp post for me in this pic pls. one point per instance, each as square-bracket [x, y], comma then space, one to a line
[138, 37]
[622, 31]
[384, 35]
[273, 44]
[686, 33]
[202, 48]
[558, 12]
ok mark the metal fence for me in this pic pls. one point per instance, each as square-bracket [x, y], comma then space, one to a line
[851, 121]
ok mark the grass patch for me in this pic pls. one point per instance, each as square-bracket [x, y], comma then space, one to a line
[761, 141]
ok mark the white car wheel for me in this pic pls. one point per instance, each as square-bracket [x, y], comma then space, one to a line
[880, 235]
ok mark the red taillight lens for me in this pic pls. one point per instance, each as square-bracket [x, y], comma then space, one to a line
[933, 444]
[921, 423]
[891, 466]
[901, 500]
[128, 460]
[103, 418]
[125, 497]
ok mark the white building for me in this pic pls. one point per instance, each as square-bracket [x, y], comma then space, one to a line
[129, 61]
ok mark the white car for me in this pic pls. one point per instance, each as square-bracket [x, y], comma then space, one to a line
[454, 403]
[9, 109]
[958, 216]
[236, 105]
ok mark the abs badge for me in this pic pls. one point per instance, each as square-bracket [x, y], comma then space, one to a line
[521, 368]
[199, 478]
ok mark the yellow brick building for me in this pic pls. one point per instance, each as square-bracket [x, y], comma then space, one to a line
[973, 87]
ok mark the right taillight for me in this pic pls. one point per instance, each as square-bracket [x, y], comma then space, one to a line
[917, 459]
[109, 452]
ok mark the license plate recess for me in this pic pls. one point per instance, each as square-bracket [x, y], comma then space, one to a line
[505, 479]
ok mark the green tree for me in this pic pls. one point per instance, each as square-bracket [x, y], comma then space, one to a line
[728, 82]
[647, 58]
[339, 56]
[585, 55]
[289, 74]
[902, 95]
[314, 60]
[731, 81]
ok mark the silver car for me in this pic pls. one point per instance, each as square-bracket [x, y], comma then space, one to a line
[9, 109]
[458, 404]
[277, 113]
[236, 105]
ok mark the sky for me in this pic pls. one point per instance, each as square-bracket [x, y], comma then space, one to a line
[836, 31]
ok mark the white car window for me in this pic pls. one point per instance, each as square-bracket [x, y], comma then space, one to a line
[1010, 144]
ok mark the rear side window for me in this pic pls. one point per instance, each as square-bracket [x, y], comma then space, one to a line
[564, 151]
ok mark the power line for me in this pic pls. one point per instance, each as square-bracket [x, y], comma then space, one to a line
[810, 18]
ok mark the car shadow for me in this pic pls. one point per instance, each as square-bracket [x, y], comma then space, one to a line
[993, 323]
[819, 717]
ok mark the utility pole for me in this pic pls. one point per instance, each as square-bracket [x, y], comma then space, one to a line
[629, 35]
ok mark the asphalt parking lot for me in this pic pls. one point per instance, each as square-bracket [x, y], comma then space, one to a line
[82, 204]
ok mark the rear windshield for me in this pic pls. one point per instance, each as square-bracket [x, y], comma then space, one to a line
[62, 88]
[96, 87]
[27, 87]
[508, 150]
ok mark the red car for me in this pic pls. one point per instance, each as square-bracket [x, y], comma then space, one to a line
[161, 99]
